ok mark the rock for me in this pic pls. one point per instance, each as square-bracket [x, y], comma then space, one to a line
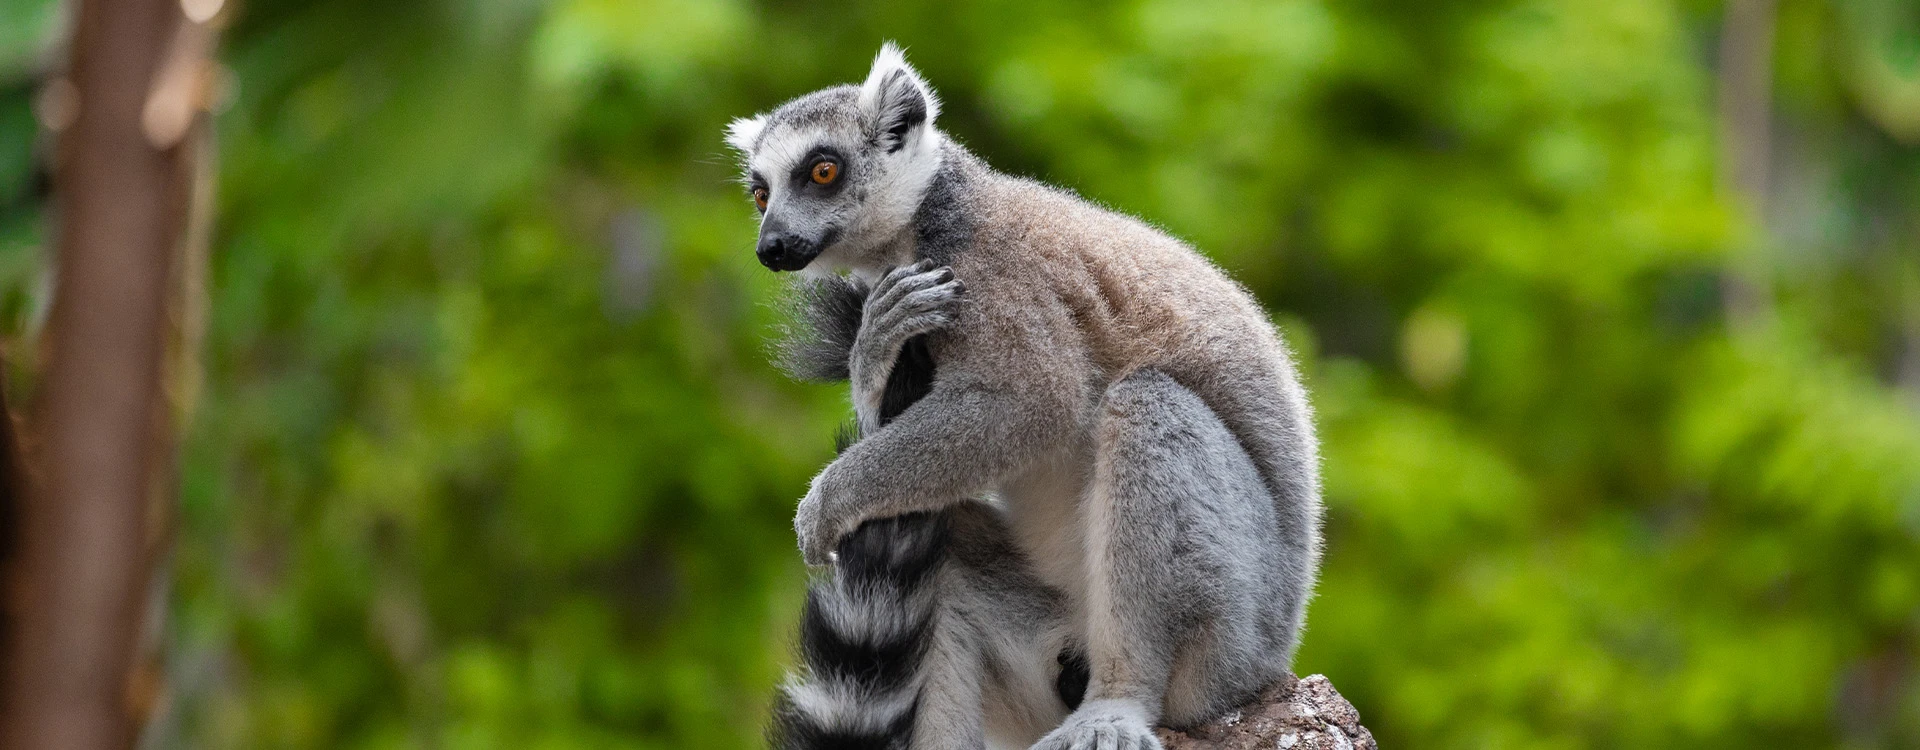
[1293, 714]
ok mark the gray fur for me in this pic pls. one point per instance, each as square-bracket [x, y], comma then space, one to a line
[827, 314]
[1130, 408]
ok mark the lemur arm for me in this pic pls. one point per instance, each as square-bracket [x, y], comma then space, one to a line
[1007, 392]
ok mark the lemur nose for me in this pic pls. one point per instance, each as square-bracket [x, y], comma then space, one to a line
[772, 250]
[784, 252]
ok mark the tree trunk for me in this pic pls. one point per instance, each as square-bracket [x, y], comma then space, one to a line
[13, 483]
[1294, 714]
[122, 182]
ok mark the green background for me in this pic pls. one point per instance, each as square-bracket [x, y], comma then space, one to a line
[490, 454]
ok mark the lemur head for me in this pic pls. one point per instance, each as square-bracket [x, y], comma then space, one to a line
[838, 174]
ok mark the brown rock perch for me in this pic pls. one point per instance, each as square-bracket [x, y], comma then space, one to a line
[1293, 714]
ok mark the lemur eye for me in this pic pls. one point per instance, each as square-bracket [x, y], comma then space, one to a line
[824, 173]
[760, 198]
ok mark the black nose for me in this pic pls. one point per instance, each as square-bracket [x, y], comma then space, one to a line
[785, 252]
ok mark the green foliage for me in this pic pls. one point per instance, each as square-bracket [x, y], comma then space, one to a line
[491, 455]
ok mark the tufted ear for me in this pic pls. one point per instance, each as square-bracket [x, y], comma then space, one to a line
[896, 98]
[743, 132]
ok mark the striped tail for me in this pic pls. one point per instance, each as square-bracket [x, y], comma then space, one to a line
[864, 636]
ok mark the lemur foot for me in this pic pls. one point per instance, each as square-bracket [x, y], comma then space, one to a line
[1102, 725]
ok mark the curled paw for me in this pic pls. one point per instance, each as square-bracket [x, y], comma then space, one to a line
[911, 300]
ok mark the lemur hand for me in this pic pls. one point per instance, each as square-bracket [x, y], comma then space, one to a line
[909, 301]
[823, 517]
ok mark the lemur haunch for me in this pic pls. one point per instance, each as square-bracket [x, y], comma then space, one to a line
[1138, 425]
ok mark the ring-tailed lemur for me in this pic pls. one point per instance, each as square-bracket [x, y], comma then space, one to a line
[1130, 408]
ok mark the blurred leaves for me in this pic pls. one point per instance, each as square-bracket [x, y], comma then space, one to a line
[492, 455]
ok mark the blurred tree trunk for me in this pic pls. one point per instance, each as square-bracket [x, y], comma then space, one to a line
[1746, 140]
[13, 483]
[93, 519]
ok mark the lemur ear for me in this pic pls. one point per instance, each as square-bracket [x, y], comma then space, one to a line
[897, 99]
[743, 132]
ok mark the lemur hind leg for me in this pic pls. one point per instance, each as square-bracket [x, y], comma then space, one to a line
[1181, 562]
[1015, 627]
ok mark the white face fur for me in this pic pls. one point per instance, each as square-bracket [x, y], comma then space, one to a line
[838, 174]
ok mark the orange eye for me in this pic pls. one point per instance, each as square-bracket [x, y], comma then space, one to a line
[826, 172]
[760, 198]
